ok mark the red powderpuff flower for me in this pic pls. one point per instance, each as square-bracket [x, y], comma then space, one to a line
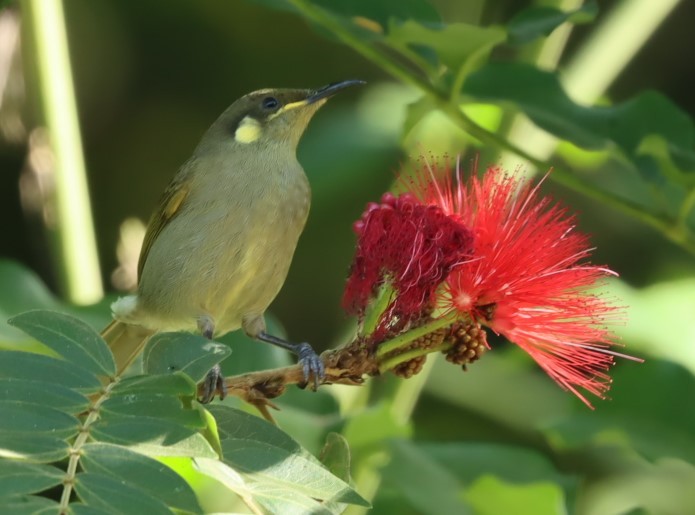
[527, 277]
[411, 245]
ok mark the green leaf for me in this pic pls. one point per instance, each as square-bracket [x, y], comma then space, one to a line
[370, 428]
[39, 448]
[25, 478]
[27, 504]
[31, 418]
[83, 509]
[110, 494]
[182, 352]
[150, 405]
[144, 473]
[177, 384]
[250, 354]
[540, 20]
[470, 460]
[415, 112]
[636, 418]
[383, 10]
[460, 47]
[429, 487]
[153, 437]
[35, 392]
[491, 496]
[70, 338]
[48, 370]
[540, 95]
[262, 494]
[335, 456]
[22, 289]
[255, 447]
[628, 484]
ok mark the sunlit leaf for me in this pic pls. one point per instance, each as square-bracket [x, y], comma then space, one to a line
[253, 446]
[153, 437]
[147, 474]
[490, 496]
[69, 337]
[261, 494]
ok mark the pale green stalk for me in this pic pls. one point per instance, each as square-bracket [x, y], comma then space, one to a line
[588, 75]
[77, 262]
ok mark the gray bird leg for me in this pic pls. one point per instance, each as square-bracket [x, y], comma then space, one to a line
[312, 366]
[214, 380]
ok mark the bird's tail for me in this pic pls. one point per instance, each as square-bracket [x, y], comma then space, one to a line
[126, 342]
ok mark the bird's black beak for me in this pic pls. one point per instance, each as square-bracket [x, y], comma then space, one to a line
[332, 89]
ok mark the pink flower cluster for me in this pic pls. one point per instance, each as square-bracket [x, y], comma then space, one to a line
[497, 252]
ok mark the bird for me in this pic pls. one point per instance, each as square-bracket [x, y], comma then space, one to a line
[218, 247]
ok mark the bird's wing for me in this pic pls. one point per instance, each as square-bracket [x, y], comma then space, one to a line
[169, 206]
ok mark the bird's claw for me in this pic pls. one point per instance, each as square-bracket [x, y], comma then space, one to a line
[211, 385]
[312, 365]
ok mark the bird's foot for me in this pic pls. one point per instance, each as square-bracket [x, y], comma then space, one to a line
[212, 384]
[312, 365]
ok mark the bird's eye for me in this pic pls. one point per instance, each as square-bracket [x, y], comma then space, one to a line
[270, 103]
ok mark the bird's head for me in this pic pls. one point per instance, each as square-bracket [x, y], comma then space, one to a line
[273, 116]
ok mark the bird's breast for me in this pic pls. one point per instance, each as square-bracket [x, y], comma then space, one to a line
[228, 252]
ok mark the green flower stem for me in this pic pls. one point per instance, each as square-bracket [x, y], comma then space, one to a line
[374, 313]
[393, 362]
[409, 336]
[78, 264]
[669, 228]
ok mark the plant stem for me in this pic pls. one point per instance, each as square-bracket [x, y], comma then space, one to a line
[76, 450]
[78, 264]
[407, 337]
[390, 363]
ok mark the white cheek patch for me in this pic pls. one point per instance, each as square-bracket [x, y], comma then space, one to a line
[249, 130]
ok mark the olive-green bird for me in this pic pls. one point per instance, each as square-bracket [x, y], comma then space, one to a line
[218, 248]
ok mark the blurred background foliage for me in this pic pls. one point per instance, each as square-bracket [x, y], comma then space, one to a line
[151, 75]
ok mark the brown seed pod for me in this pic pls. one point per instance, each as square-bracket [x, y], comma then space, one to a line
[410, 368]
[468, 344]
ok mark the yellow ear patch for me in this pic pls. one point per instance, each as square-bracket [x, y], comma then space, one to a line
[249, 130]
